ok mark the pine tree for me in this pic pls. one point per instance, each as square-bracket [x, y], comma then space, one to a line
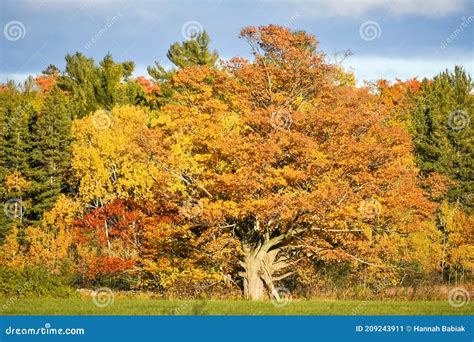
[442, 129]
[193, 52]
[110, 74]
[96, 87]
[190, 53]
[51, 153]
[51, 70]
[15, 144]
[80, 80]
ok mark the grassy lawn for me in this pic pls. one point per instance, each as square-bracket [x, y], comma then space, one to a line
[228, 307]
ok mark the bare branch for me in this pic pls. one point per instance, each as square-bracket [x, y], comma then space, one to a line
[338, 230]
[366, 262]
[283, 276]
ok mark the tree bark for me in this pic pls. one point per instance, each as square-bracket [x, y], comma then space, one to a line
[260, 264]
[254, 287]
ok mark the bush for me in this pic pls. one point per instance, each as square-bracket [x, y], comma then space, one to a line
[33, 282]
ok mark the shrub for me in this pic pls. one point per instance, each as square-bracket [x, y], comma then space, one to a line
[33, 282]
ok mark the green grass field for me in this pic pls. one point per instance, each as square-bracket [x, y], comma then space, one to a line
[228, 307]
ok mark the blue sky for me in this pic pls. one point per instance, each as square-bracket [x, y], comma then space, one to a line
[388, 38]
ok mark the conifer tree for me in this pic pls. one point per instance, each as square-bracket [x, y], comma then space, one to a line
[51, 153]
[15, 114]
[193, 52]
[94, 87]
[442, 129]
[80, 80]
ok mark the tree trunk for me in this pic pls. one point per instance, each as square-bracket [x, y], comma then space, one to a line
[254, 287]
[261, 264]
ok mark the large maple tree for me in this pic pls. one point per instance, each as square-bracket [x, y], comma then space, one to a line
[291, 164]
[260, 164]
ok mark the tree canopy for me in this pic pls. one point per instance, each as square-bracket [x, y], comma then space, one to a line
[242, 174]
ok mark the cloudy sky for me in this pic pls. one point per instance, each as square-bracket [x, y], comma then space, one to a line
[388, 38]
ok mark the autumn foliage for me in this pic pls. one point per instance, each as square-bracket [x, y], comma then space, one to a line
[244, 177]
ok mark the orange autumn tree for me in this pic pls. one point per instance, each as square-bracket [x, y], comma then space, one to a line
[254, 166]
[289, 164]
[45, 82]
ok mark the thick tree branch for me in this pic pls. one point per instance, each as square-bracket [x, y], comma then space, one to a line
[283, 276]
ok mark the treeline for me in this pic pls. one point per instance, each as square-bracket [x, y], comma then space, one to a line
[216, 178]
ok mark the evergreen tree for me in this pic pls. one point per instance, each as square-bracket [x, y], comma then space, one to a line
[96, 87]
[51, 70]
[193, 52]
[51, 153]
[15, 145]
[80, 81]
[112, 76]
[442, 129]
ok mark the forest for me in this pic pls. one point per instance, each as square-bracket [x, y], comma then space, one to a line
[238, 178]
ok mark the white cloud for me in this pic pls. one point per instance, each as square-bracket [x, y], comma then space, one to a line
[314, 8]
[17, 77]
[355, 8]
[371, 68]
[366, 67]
